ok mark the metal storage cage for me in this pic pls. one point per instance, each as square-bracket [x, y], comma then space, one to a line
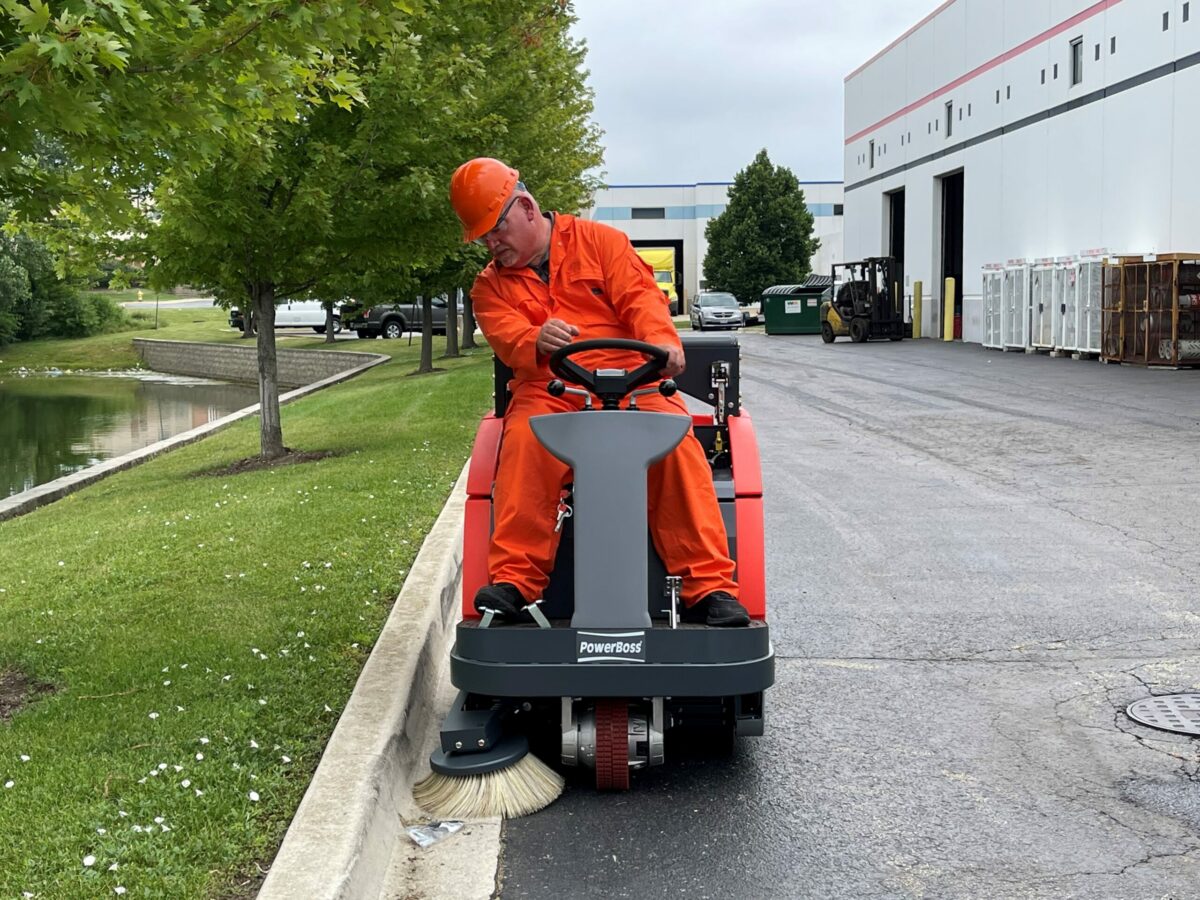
[1041, 295]
[1088, 301]
[1066, 280]
[1151, 311]
[993, 279]
[1014, 311]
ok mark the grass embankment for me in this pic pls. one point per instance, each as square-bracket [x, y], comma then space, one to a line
[199, 636]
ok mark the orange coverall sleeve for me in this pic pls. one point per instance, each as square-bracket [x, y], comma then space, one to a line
[509, 331]
[638, 301]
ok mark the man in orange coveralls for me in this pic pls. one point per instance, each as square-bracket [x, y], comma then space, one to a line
[554, 278]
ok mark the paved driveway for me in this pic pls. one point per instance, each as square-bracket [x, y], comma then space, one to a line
[975, 561]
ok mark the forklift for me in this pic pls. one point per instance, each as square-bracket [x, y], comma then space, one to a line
[865, 304]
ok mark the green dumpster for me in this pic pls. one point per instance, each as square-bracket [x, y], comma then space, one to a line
[795, 308]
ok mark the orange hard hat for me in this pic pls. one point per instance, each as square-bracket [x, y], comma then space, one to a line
[478, 190]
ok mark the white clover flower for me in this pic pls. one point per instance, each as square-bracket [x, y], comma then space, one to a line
[89, 860]
[154, 715]
[187, 782]
[254, 796]
[199, 757]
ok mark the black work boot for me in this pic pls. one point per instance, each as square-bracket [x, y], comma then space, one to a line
[504, 600]
[719, 610]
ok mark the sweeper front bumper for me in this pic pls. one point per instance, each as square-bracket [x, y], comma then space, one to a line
[515, 661]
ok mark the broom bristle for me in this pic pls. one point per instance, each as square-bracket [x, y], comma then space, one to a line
[517, 790]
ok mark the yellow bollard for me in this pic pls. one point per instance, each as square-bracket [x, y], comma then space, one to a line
[916, 318]
[948, 319]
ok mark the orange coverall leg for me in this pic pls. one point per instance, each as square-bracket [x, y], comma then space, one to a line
[685, 522]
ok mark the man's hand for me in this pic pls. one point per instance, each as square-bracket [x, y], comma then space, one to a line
[555, 335]
[675, 363]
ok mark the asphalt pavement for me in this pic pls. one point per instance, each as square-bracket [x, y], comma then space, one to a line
[975, 561]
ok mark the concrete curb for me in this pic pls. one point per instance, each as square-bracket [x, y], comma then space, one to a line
[19, 504]
[340, 844]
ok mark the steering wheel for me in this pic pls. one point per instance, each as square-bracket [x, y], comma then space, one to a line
[610, 385]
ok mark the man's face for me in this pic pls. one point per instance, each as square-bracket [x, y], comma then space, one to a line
[515, 240]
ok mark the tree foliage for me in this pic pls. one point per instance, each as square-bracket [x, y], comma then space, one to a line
[353, 202]
[763, 237]
[35, 302]
[98, 98]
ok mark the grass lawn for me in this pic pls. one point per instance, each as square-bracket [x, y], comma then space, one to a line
[186, 642]
[129, 295]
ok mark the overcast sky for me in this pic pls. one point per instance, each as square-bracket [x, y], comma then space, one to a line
[690, 91]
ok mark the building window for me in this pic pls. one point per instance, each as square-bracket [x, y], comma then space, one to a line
[1187, 12]
[1056, 71]
[838, 209]
[968, 110]
[648, 212]
[1097, 53]
[1166, 21]
[928, 128]
[910, 137]
[871, 152]
[1008, 92]
[997, 95]
[1043, 76]
[1112, 45]
[1076, 61]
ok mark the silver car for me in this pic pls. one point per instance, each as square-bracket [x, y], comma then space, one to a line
[715, 309]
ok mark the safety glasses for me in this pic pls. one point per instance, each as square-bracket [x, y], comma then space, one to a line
[499, 227]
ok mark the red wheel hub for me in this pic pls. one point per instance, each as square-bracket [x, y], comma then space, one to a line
[612, 745]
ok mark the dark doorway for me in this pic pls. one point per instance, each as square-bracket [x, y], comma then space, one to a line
[896, 237]
[952, 241]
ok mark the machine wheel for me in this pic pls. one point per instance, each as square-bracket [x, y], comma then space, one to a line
[859, 329]
[827, 334]
[612, 745]
[393, 329]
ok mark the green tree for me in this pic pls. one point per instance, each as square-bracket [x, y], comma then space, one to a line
[763, 237]
[352, 202]
[98, 99]
[14, 293]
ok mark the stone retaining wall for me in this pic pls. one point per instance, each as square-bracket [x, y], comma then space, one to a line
[229, 362]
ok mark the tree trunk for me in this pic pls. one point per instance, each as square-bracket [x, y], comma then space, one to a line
[248, 321]
[271, 430]
[468, 335]
[452, 324]
[426, 334]
[329, 323]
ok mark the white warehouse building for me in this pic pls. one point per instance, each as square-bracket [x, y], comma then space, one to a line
[675, 215]
[996, 132]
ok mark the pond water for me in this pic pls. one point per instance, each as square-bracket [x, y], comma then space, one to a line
[51, 426]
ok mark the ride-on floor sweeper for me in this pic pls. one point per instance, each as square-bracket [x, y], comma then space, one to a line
[605, 673]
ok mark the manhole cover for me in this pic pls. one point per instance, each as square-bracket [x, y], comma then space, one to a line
[1170, 712]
